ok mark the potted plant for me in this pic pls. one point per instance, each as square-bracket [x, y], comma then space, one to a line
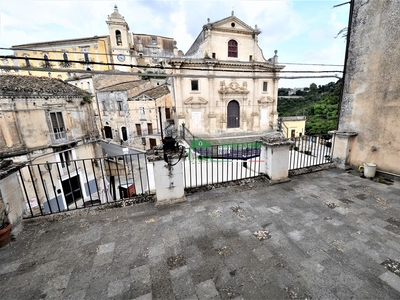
[5, 227]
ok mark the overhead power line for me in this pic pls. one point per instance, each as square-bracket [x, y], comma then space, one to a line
[49, 68]
[148, 56]
[164, 75]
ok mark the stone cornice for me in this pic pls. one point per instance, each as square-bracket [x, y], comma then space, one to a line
[203, 63]
[239, 31]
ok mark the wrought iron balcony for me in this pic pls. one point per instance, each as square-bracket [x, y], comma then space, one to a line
[60, 138]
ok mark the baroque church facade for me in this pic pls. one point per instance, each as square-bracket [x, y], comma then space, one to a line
[223, 85]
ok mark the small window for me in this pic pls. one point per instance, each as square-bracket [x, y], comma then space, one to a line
[138, 129]
[153, 40]
[195, 85]
[142, 113]
[232, 48]
[120, 106]
[46, 61]
[250, 57]
[58, 127]
[65, 158]
[65, 63]
[213, 55]
[118, 37]
[265, 86]
[86, 57]
[88, 87]
[27, 62]
[167, 113]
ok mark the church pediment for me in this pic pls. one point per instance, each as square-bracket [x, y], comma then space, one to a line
[234, 24]
[195, 100]
[233, 87]
[266, 99]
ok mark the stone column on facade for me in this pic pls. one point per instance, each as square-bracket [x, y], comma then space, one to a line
[244, 113]
[255, 112]
[96, 48]
[168, 176]
[179, 101]
[274, 112]
[223, 113]
[342, 147]
[212, 123]
[275, 156]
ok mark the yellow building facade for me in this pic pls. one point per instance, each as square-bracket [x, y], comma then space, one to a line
[60, 59]
[293, 127]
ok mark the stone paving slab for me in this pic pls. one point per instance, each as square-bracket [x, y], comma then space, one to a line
[206, 248]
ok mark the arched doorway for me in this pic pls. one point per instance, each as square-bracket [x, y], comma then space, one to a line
[233, 114]
[108, 132]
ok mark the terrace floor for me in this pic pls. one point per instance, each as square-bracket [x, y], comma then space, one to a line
[323, 235]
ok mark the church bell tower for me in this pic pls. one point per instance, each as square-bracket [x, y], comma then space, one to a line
[120, 41]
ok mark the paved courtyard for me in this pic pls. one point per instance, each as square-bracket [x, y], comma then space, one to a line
[322, 235]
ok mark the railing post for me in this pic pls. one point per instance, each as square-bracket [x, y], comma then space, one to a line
[168, 175]
[183, 132]
[275, 156]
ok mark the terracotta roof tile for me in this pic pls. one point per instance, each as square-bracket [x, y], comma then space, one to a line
[33, 85]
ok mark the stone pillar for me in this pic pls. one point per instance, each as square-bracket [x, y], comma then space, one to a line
[168, 177]
[342, 147]
[275, 156]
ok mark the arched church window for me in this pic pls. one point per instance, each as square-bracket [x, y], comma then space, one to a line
[232, 48]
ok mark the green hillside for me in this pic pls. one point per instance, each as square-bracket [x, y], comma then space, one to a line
[318, 103]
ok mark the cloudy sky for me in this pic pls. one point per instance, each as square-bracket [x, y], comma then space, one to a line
[303, 31]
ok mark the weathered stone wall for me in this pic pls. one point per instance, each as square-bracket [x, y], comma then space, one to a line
[11, 193]
[371, 99]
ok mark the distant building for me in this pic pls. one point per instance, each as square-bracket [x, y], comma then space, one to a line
[130, 110]
[120, 50]
[293, 127]
[223, 85]
[47, 121]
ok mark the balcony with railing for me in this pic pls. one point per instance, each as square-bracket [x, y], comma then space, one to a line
[61, 137]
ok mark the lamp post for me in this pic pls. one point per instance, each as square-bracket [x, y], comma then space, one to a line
[47, 166]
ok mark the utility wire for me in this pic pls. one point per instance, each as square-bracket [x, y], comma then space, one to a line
[164, 75]
[48, 61]
[150, 56]
[172, 68]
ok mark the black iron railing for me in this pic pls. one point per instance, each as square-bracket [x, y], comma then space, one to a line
[311, 151]
[56, 186]
[221, 163]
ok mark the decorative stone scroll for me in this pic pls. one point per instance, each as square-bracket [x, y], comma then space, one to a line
[197, 100]
[233, 88]
[265, 100]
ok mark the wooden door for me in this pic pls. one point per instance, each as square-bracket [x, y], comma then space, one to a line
[233, 114]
